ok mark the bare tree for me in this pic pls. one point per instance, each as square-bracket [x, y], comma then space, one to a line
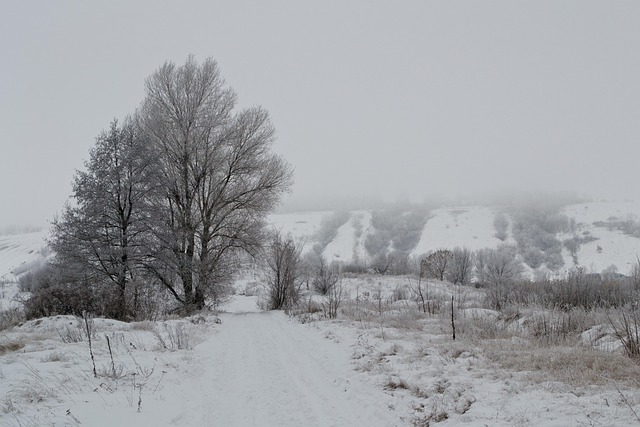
[635, 274]
[480, 265]
[283, 272]
[219, 175]
[105, 233]
[333, 299]
[436, 263]
[501, 269]
[503, 266]
[460, 267]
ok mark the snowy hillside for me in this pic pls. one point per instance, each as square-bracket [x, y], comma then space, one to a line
[468, 226]
[612, 247]
[473, 227]
[18, 253]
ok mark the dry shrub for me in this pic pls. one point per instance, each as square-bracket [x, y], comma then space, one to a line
[626, 326]
[557, 327]
[393, 384]
[403, 319]
[11, 317]
[174, 337]
[10, 347]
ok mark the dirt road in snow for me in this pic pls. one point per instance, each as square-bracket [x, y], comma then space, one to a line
[263, 369]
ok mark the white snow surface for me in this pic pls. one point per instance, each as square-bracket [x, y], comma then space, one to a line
[617, 248]
[464, 226]
[301, 225]
[254, 369]
[341, 248]
[20, 252]
[266, 369]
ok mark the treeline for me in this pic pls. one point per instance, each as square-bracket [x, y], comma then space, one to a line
[170, 200]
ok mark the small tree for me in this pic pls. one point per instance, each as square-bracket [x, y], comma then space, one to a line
[635, 275]
[461, 265]
[332, 302]
[501, 269]
[282, 261]
[436, 263]
[326, 277]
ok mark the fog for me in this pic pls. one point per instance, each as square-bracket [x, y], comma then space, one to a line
[371, 100]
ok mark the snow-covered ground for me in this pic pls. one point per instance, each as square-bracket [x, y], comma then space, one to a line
[253, 368]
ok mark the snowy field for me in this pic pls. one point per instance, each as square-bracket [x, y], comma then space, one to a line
[252, 368]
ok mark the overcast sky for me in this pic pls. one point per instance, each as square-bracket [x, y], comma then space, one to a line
[394, 98]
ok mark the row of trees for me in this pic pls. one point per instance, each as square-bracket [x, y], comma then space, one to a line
[174, 194]
[485, 267]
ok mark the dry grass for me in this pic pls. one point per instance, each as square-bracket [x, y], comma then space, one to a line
[395, 384]
[145, 325]
[578, 366]
[10, 347]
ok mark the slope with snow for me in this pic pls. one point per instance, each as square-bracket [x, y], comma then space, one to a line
[345, 244]
[19, 253]
[612, 247]
[472, 227]
[301, 225]
[466, 226]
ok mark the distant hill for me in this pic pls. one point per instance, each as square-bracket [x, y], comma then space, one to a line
[601, 234]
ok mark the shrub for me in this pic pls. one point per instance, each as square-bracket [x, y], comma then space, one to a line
[332, 302]
[326, 277]
[52, 296]
[626, 327]
[535, 229]
[11, 317]
[174, 337]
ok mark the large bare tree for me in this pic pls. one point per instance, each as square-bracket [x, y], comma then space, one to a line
[219, 175]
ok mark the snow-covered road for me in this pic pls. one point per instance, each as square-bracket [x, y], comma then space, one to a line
[263, 369]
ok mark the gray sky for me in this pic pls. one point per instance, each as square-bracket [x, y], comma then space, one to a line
[397, 99]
